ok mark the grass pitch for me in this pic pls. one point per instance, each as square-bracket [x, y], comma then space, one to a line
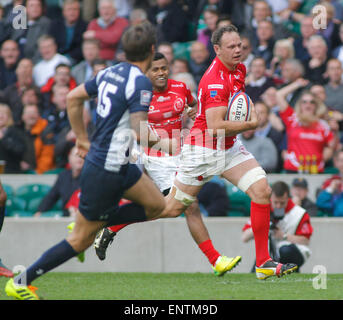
[182, 286]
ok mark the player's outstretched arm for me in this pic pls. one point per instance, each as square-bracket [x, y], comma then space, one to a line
[147, 137]
[216, 122]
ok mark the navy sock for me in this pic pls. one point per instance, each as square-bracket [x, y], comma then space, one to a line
[49, 260]
[128, 213]
[2, 217]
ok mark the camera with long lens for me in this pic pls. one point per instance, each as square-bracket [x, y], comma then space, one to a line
[275, 216]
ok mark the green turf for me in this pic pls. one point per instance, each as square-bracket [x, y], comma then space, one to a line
[182, 286]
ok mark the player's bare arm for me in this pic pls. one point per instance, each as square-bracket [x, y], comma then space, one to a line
[146, 137]
[75, 101]
[215, 118]
[192, 109]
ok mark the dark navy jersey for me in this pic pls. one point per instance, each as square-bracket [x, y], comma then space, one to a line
[121, 89]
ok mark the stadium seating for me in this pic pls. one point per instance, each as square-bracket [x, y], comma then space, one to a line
[239, 205]
[24, 201]
[30, 191]
[9, 190]
[14, 204]
[182, 50]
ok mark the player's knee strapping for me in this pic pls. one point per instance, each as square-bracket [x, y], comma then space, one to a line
[250, 177]
[183, 197]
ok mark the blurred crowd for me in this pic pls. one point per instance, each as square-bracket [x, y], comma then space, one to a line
[294, 72]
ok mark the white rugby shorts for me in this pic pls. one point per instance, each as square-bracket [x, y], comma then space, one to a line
[199, 164]
[161, 169]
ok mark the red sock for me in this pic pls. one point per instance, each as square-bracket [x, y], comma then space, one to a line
[118, 227]
[207, 248]
[260, 220]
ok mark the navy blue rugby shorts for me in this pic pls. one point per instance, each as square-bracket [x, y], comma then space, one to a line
[101, 190]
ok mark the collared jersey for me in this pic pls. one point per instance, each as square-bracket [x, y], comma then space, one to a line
[216, 87]
[121, 89]
[165, 112]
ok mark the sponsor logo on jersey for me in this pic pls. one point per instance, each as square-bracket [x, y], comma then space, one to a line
[162, 99]
[178, 104]
[213, 93]
[215, 86]
[145, 97]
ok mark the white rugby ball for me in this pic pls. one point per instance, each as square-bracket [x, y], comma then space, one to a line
[239, 107]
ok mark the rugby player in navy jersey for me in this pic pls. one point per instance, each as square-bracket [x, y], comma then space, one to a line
[124, 95]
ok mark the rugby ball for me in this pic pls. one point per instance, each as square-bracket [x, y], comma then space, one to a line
[239, 107]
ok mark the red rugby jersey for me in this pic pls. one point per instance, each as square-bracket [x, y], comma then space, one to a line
[305, 141]
[165, 112]
[216, 87]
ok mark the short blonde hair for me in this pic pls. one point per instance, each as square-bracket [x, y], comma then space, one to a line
[6, 108]
[285, 43]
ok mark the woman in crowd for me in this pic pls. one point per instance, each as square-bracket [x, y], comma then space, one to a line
[310, 142]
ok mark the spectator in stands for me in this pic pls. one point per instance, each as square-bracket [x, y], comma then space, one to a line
[301, 42]
[9, 58]
[5, 27]
[179, 65]
[137, 16]
[330, 198]
[214, 199]
[108, 29]
[269, 99]
[333, 118]
[263, 44]
[315, 66]
[299, 193]
[37, 25]
[170, 21]
[319, 92]
[68, 31]
[283, 50]
[334, 88]
[257, 81]
[246, 53]
[266, 128]
[45, 68]
[199, 60]
[82, 72]
[39, 154]
[291, 227]
[68, 181]
[211, 17]
[310, 143]
[223, 21]
[291, 70]
[260, 146]
[32, 95]
[56, 113]
[61, 78]
[261, 12]
[12, 94]
[12, 144]
[222, 6]
[166, 48]
[338, 51]
[188, 79]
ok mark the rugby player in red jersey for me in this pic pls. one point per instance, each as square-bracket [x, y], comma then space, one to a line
[168, 105]
[212, 148]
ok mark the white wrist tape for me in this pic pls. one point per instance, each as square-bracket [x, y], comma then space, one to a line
[183, 197]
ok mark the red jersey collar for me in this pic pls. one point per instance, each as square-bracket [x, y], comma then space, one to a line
[224, 66]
